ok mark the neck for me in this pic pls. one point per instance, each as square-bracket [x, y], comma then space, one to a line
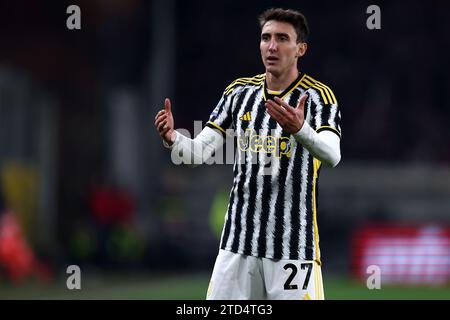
[282, 81]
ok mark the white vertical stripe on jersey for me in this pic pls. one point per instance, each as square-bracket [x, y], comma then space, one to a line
[229, 243]
[259, 186]
[303, 213]
[270, 229]
[224, 114]
[248, 174]
[287, 228]
[339, 125]
[304, 182]
[331, 121]
[315, 97]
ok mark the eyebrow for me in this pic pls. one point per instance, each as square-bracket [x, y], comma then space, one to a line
[277, 34]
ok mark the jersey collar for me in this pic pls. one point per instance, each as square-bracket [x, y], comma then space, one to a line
[288, 90]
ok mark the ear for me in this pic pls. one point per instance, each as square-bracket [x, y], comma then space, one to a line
[301, 48]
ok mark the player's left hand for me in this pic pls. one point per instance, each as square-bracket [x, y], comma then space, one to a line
[290, 119]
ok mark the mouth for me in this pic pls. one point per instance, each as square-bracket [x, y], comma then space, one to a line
[272, 59]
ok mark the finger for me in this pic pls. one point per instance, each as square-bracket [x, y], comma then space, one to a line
[159, 113]
[276, 118]
[274, 109]
[284, 104]
[272, 114]
[162, 116]
[277, 109]
[167, 105]
[275, 114]
[301, 103]
[276, 106]
[273, 105]
[165, 128]
[161, 126]
[161, 119]
[164, 131]
[280, 114]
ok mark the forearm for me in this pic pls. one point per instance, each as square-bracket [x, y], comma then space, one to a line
[324, 146]
[195, 151]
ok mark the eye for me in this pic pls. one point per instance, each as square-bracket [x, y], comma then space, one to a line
[265, 37]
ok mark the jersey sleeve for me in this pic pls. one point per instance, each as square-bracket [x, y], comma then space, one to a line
[221, 117]
[327, 115]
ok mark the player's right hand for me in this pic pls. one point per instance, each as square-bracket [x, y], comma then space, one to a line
[164, 123]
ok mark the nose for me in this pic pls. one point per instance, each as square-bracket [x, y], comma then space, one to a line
[272, 46]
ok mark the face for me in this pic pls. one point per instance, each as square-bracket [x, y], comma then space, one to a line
[279, 48]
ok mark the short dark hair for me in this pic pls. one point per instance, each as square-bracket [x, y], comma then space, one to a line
[293, 17]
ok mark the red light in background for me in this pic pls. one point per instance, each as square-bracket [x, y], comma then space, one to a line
[405, 254]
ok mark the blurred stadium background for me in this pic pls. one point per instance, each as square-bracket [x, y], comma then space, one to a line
[85, 180]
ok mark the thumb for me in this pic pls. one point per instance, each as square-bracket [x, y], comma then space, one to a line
[301, 103]
[167, 105]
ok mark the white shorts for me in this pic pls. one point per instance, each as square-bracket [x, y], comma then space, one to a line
[240, 277]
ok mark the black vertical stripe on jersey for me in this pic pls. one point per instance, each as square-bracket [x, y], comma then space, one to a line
[237, 195]
[337, 120]
[309, 212]
[228, 121]
[265, 204]
[325, 116]
[241, 195]
[253, 185]
[295, 210]
[317, 205]
[239, 97]
[294, 240]
[280, 201]
[310, 107]
[220, 110]
[301, 91]
[294, 99]
[227, 230]
[265, 208]
[279, 205]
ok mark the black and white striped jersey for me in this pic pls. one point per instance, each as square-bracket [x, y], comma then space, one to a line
[272, 212]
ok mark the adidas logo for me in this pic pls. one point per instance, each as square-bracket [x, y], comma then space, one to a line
[246, 116]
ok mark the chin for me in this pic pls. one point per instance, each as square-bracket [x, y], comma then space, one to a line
[275, 71]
